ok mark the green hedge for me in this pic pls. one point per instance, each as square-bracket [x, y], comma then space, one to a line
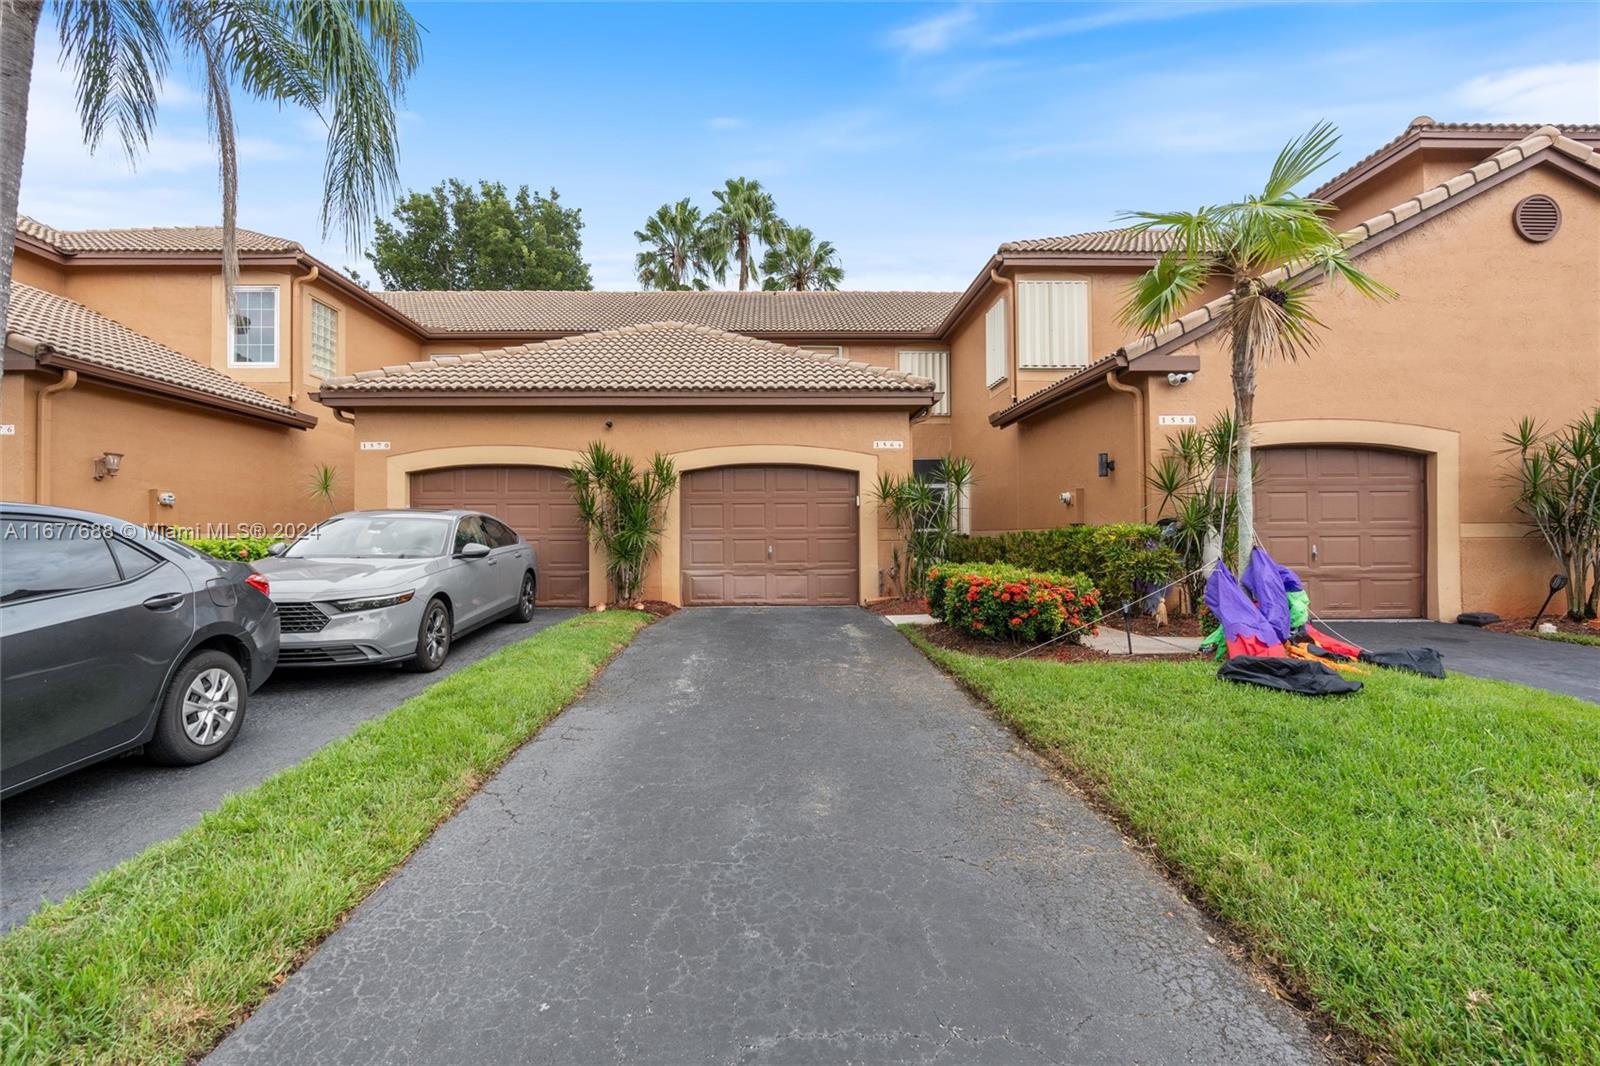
[1126, 560]
[1009, 603]
[233, 549]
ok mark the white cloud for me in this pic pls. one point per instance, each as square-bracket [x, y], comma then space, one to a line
[724, 122]
[1104, 18]
[931, 35]
[1549, 92]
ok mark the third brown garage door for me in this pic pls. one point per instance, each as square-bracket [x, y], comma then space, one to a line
[536, 501]
[1352, 522]
[769, 534]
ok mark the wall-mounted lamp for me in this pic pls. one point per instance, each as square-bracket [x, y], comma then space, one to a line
[1106, 465]
[107, 465]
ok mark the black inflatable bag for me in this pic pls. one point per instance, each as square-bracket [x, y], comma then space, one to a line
[1424, 661]
[1289, 675]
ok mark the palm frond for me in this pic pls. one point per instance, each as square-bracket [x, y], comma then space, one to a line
[1301, 158]
[118, 53]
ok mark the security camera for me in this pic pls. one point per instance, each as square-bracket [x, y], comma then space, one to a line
[1180, 379]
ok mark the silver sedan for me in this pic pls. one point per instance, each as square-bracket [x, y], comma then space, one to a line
[397, 586]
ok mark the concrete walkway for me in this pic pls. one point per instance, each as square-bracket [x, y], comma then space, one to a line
[773, 835]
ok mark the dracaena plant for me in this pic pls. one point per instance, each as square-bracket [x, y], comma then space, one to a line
[1556, 480]
[624, 509]
[1191, 477]
[926, 513]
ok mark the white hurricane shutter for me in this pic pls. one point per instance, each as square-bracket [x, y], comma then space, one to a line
[935, 366]
[1053, 324]
[994, 343]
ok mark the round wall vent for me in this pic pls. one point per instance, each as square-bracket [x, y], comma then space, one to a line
[1537, 218]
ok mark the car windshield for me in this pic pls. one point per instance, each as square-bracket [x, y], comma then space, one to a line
[373, 537]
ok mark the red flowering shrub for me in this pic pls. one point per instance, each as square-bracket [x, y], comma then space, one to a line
[1009, 603]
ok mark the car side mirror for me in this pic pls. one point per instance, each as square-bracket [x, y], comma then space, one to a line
[277, 548]
[473, 551]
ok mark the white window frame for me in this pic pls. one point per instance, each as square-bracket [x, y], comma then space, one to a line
[311, 326]
[996, 353]
[234, 363]
[940, 376]
[1052, 324]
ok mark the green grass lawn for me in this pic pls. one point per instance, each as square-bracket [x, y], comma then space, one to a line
[157, 958]
[1421, 858]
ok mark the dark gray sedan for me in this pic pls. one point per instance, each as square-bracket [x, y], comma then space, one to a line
[112, 638]
[397, 586]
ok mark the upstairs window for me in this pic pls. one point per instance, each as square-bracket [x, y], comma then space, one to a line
[254, 335]
[934, 366]
[324, 340]
[1052, 324]
[995, 355]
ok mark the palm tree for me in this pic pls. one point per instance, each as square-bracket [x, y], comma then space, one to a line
[1259, 246]
[797, 260]
[745, 214]
[345, 60]
[682, 249]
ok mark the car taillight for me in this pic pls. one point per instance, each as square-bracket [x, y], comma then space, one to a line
[259, 583]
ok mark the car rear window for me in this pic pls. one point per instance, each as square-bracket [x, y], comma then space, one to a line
[43, 558]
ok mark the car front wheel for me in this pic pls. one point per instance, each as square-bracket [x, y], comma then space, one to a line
[202, 711]
[523, 611]
[433, 639]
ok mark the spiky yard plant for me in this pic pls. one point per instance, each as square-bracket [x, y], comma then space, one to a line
[1192, 478]
[324, 485]
[1556, 480]
[1244, 245]
[624, 510]
[926, 513]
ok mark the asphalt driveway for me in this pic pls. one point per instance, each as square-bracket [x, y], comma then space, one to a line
[54, 839]
[1547, 664]
[773, 835]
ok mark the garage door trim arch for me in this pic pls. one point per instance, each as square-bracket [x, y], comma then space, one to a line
[863, 464]
[1441, 450]
[400, 467]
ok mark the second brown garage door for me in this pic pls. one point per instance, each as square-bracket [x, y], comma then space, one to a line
[770, 534]
[536, 501]
[1352, 522]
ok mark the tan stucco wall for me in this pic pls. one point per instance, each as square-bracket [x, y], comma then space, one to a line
[1487, 328]
[429, 438]
[225, 470]
[1059, 452]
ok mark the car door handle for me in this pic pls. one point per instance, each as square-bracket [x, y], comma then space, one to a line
[164, 602]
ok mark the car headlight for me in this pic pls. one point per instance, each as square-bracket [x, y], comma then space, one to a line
[372, 603]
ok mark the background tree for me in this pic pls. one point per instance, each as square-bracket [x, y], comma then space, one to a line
[682, 249]
[745, 214]
[798, 261]
[345, 60]
[1245, 244]
[460, 236]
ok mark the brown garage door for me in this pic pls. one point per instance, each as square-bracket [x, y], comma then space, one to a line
[769, 534]
[1352, 522]
[536, 501]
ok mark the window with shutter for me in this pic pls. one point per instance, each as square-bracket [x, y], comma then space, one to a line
[995, 356]
[934, 366]
[1052, 324]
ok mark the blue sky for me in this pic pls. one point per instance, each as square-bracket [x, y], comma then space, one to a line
[915, 137]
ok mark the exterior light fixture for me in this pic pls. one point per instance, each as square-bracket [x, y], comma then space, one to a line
[1106, 465]
[107, 465]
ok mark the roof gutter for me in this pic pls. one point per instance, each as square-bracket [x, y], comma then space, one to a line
[1116, 385]
[1099, 374]
[41, 444]
[348, 399]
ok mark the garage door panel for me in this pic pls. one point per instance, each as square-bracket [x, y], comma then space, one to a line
[805, 516]
[536, 502]
[1365, 511]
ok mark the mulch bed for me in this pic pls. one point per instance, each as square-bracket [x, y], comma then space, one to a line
[653, 608]
[899, 605]
[1145, 625]
[1562, 623]
[1059, 652]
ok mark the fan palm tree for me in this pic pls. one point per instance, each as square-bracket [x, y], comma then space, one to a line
[345, 60]
[797, 261]
[745, 214]
[682, 249]
[1260, 247]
